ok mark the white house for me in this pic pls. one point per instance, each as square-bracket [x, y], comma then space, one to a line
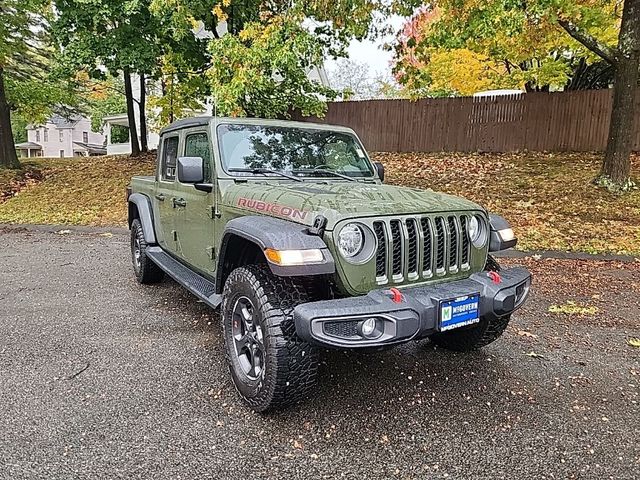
[62, 137]
[116, 128]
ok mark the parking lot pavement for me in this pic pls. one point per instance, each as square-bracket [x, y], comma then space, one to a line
[103, 378]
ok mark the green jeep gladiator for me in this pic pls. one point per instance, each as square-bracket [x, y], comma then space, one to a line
[289, 229]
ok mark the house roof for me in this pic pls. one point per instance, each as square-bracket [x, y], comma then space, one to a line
[62, 122]
[28, 145]
[92, 148]
[118, 116]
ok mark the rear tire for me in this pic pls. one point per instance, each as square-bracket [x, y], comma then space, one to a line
[270, 366]
[143, 267]
[477, 336]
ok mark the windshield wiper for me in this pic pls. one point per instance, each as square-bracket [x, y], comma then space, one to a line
[264, 171]
[323, 170]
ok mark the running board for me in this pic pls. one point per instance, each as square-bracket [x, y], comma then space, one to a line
[202, 288]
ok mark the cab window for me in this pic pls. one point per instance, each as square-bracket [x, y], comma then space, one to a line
[169, 157]
[197, 145]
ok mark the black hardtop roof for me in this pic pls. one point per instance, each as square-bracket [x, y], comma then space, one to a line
[186, 123]
[205, 120]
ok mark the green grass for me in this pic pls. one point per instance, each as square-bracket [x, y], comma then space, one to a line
[548, 198]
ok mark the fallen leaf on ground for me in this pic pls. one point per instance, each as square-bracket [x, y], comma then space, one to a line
[524, 333]
[573, 308]
[634, 342]
[533, 354]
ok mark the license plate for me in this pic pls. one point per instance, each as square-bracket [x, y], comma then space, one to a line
[459, 312]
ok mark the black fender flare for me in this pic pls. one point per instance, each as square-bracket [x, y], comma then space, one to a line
[497, 225]
[278, 234]
[145, 214]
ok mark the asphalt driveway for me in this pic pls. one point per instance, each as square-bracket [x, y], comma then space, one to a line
[103, 378]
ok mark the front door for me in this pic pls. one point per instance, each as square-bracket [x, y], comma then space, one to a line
[195, 209]
[163, 210]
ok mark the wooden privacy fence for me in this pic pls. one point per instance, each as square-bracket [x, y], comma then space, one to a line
[563, 121]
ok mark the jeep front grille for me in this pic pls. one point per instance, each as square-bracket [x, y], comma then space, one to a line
[418, 248]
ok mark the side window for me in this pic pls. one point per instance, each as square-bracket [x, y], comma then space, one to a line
[169, 157]
[197, 145]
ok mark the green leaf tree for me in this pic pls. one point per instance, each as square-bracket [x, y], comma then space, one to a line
[264, 70]
[625, 59]
[500, 44]
[261, 53]
[27, 90]
[121, 36]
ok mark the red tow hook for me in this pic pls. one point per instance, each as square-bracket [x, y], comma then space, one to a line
[396, 296]
[495, 277]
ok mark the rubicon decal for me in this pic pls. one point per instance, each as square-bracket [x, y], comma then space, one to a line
[274, 208]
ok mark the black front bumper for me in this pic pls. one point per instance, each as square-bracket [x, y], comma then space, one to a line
[337, 323]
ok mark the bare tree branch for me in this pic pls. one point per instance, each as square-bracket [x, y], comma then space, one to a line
[608, 54]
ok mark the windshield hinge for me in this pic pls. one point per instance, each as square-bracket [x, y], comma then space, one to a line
[319, 224]
[213, 212]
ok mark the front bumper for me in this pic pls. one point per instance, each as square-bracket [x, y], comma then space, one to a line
[336, 323]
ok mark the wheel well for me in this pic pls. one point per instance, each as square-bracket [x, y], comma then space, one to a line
[132, 213]
[236, 252]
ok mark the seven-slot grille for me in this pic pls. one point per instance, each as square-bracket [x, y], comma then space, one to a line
[415, 248]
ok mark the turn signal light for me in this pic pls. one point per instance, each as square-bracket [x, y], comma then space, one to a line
[287, 258]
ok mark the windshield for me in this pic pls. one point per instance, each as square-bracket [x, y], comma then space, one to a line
[247, 149]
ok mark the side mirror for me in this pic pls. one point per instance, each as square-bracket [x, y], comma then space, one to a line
[379, 169]
[190, 170]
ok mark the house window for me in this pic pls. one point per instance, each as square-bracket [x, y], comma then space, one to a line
[197, 145]
[85, 137]
[61, 135]
[37, 135]
[169, 157]
[61, 153]
[119, 134]
[46, 134]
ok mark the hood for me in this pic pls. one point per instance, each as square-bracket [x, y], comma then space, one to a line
[302, 202]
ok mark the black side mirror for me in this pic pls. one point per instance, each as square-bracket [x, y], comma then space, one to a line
[190, 170]
[380, 170]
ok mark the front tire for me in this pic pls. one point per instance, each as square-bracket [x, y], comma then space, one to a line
[270, 366]
[477, 336]
[143, 267]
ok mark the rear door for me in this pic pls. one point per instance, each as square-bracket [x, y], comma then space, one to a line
[195, 209]
[163, 209]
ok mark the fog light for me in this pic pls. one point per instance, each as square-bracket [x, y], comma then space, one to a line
[370, 328]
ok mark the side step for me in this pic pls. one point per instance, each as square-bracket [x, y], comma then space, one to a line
[202, 288]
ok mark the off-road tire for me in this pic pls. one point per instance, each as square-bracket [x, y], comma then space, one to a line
[144, 269]
[477, 336]
[290, 365]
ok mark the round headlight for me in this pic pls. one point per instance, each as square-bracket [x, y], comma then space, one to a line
[350, 240]
[476, 231]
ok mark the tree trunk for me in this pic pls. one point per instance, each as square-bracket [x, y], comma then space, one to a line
[8, 156]
[131, 114]
[616, 167]
[143, 115]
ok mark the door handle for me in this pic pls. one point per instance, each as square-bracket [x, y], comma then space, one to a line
[179, 202]
[160, 197]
